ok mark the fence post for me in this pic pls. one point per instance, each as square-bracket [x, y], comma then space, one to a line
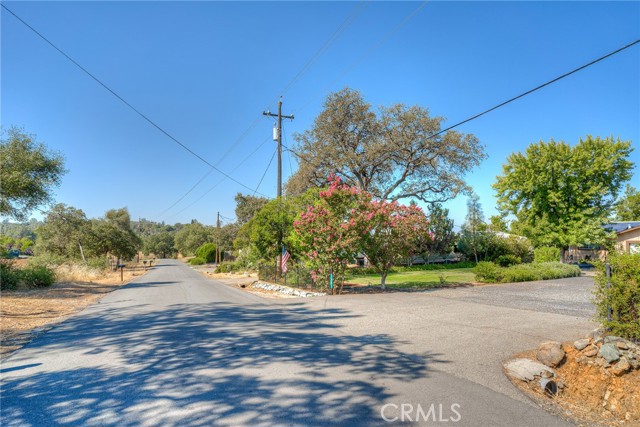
[607, 268]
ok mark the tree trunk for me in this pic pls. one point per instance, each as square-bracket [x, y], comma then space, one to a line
[82, 253]
[383, 280]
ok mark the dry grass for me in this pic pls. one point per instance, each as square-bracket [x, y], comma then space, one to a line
[78, 273]
[25, 314]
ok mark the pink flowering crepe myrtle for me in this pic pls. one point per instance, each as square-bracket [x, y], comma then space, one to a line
[346, 221]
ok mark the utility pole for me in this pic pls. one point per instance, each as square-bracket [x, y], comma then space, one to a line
[278, 137]
[218, 240]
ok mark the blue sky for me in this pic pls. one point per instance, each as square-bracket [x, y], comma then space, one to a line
[205, 71]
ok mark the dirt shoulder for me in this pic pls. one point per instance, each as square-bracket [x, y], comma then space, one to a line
[591, 392]
[26, 314]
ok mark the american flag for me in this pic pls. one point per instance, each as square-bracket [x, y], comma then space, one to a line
[285, 258]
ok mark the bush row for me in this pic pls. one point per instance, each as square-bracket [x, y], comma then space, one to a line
[620, 294]
[30, 277]
[490, 272]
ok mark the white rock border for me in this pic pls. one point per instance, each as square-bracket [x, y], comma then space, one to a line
[286, 290]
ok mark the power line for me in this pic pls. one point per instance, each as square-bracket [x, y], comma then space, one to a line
[502, 104]
[227, 218]
[372, 49]
[185, 194]
[353, 14]
[97, 80]
[265, 171]
[362, 5]
[288, 152]
[223, 179]
[537, 88]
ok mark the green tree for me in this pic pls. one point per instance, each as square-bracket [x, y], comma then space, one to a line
[20, 230]
[161, 244]
[65, 232]
[474, 235]
[113, 235]
[441, 237]
[191, 237]
[628, 207]
[561, 195]
[395, 154]
[247, 206]
[273, 222]
[225, 236]
[28, 174]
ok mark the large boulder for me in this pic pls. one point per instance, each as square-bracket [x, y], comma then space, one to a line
[550, 353]
[527, 370]
[609, 352]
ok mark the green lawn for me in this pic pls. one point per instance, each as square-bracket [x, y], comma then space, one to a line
[418, 279]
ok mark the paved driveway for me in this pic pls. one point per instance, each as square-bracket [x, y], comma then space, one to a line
[175, 349]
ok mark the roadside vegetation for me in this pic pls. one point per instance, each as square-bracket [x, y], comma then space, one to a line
[12, 277]
[617, 298]
[489, 272]
[418, 279]
[344, 209]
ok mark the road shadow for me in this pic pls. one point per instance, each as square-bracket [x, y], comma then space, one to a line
[207, 365]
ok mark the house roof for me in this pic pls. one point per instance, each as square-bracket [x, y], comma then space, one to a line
[621, 227]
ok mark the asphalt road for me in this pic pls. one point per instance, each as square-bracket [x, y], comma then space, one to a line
[176, 349]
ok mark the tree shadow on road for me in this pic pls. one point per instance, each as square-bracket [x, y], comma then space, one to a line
[206, 365]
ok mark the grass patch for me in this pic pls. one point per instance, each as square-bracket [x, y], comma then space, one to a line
[418, 279]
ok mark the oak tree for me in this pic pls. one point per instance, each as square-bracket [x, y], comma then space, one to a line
[28, 174]
[394, 153]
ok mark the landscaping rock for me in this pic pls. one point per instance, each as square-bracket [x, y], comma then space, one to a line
[285, 290]
[527, 370]
[591, 351]
[621, 367]
[609, 353]
[622, 345]
[550, 353]
[612, 339]
[581, 344]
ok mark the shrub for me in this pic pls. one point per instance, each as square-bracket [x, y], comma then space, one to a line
[546, 254]
[47, 260]
[98, 263]
[207, 252]
[429, 267]
[622, 296]
[37, 277]
[197, 261]
[487, 272]
[228, 267]
[9, 275]
[30, 277]
[508, 260]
